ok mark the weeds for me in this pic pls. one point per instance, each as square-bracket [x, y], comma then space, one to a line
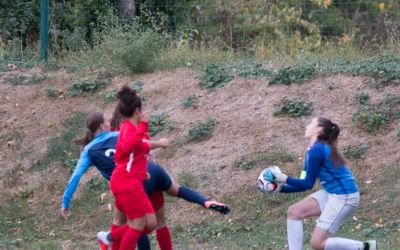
[97, 184]
[362, 98]
[215, 76]
[188, 179]
[249, 69]
[294, 74]
[111, 96]
[160, 122]
[61, 148]
[292, 108]
[89, 86]
[355, 152]
[189, 101]
[26, 80]
[53, 91]
[138, 86]
[202, 130]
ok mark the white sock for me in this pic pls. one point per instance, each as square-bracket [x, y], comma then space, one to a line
[295, 234]
[343, 244]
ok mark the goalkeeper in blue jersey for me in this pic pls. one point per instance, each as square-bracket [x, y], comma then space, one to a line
[98, 148]
[336, 202]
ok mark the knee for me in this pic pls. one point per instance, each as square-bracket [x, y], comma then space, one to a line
[119, 220]
[294, 213]
[152, 224]
[316, 244]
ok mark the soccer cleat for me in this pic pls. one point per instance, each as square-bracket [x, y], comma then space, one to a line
[218, 207]
[102, 237]
[370, 245]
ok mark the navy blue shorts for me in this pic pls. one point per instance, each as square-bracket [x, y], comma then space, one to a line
[159, 179]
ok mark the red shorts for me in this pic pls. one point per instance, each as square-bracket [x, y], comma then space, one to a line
[134, 203]
[157, 199]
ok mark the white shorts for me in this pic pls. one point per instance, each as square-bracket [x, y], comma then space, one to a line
[335, 208]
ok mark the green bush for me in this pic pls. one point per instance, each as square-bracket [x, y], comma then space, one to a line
[189, 101]
[202, 130]
[295, 74]
[90, 86]
[362, 98]
[159, 122]
[249, 69]
[292, 108]
[355, 152]
[111, 96]
[53, 91]
[215, 76]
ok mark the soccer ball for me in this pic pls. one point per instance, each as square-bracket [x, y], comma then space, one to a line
[264, 184]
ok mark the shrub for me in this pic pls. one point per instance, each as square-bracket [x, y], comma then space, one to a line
[294, 74]
[111, 96]
[293, 108]
[53, 91]
[159, 122]
[362, 98]
[355, 152]
[89, 86]
[248, 69]
[215, 76]
[189, 101]
[138, 86]
[202, 130]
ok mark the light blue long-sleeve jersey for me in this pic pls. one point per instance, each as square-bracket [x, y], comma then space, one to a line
[85, 161]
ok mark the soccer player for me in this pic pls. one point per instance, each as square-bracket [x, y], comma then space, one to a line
[336, 202]
[98, 150]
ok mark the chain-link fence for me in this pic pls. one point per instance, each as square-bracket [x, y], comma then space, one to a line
[233, 24]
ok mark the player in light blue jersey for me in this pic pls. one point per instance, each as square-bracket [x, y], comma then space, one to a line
[336, 202]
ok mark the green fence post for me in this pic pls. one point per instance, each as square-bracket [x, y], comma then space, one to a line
[44, 29]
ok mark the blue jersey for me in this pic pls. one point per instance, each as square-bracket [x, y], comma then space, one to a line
[100, 153]
[317, 164]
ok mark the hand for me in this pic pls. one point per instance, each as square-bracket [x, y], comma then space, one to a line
[163, 142]
[64, 213]
[278, 177]
[144, 117]
[147, 176]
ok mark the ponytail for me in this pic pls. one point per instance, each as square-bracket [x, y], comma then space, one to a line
[329, 135]
[93, 122]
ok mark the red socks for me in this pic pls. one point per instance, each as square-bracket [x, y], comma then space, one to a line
[164, 238]
[130, 239]
[117, 232]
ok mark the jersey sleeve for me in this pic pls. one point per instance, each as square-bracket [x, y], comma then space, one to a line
[315, 160]
[82, 166]
[129, 143]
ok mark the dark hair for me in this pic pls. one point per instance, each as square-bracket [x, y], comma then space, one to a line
[116, 120]
[129, 101]
[329, 135]
[93, 122]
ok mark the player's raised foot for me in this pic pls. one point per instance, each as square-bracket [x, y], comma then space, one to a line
[370, 245]
[102, 237]
[217, 206]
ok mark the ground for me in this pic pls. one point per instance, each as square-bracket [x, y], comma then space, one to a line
[246, 129]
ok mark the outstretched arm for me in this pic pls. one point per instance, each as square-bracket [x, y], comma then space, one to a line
[82, 166]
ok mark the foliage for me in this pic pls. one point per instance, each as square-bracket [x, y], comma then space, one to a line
[294, 74]
[372, 117]
[189, 101]
[26, 80]
[355, 152]
[97, 184]
[362, 98]
[111, 96]
[248, 69]
[245, 164]
[90, 86]
[160, 122]
[60, 148]
[138, 86]
[188, 179]
[292, 107]
[215, 76]
[202, 130]
[53, 91]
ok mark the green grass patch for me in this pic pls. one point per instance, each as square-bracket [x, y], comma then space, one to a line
[292, 107]
[362, 98]
[138, 86]
[266, 158]
[188, 179]
[215, 76]
[189, 101]
[87, 86]
[355, 152]
[160, 122]
[111, 96]
[26, 80]
[61, 148]
[294, 74]
[250, 69]
[52, 91]
[202, 130]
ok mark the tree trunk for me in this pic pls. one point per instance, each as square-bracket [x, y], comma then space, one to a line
[127, 9]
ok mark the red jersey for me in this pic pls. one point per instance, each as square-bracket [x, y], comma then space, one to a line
[130, 156]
